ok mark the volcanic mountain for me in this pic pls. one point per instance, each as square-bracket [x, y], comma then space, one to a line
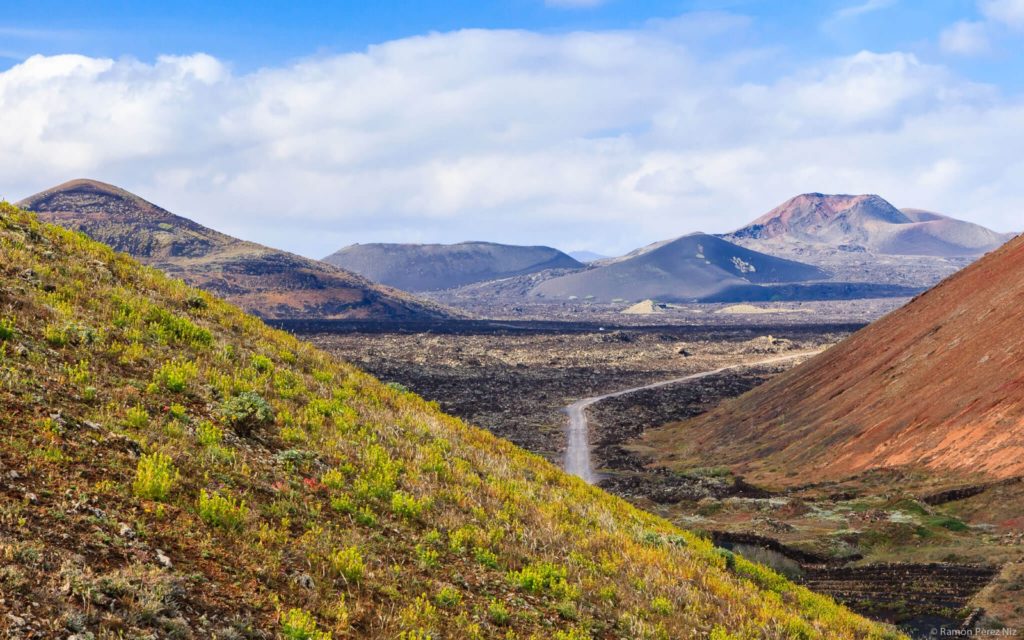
[867, 223]
[433, 267]
[936, 386]
[687, 268]
[264, 281]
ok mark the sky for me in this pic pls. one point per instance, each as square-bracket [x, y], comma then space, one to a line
[597, 125]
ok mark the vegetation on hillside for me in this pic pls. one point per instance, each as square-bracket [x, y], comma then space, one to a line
[171, 467]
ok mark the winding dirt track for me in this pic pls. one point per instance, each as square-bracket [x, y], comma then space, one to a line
[577, 454]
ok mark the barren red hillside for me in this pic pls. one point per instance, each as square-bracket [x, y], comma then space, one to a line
[938, 384]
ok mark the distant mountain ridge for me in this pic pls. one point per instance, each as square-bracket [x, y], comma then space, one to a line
[434, 267]
[869, 222]
[265, 281]
[687, 268]
[587, 256]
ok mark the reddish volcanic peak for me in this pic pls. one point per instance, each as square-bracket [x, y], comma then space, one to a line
[818, 207]
[814, 213]
[937, 385]
[867, 222]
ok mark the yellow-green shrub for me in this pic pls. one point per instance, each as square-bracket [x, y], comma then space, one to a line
[348, 563]
[221, 510]
[155, 475]
[298, 624]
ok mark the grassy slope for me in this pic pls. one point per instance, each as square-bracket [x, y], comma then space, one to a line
[368, 513]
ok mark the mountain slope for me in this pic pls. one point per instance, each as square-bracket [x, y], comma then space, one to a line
[586, 256]
[170, 467]
[937, 385]
[867, 222]
[686, 268]
[432, 267]
[269, 282]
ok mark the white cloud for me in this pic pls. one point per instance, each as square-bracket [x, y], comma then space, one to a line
[868, 6]
[965, 38]
[1009, 12]
[605, 140]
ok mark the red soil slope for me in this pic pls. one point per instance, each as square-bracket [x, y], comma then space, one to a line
[936, 385]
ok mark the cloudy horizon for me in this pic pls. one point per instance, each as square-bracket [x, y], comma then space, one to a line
[603, 138]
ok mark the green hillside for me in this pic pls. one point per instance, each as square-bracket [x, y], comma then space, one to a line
[172, 468]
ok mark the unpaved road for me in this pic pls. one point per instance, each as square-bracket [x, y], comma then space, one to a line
[577, 455]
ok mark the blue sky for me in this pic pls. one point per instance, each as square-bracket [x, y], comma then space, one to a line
[312, 125]
[254, 34]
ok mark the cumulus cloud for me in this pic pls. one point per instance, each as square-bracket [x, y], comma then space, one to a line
[965, 38]
[1009, 12]
[606, 140]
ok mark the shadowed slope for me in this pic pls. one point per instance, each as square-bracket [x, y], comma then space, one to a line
[432, 267]
[686, 268]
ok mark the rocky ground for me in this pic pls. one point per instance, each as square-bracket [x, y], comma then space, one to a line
[506, 299]
[517, 385]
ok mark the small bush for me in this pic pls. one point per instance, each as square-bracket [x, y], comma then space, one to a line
[7, 330]
[728, 556]
[426, 557]
[348, 563]
[378, 476]
[397, 386]
[262, 363]
[174, 376]
[343, 504]
[661, 606]
[55, 335]
[209, 434]
[462, 538]
[136, 418]
[448, 597]
[365, 516]
[297, 624]
[293, 435]
[486, 557]
[177, 412]
[154, 477]
[247, 412]
[219, 510]
[407, 506]
[78, 373]
[417, 618]
[543, 577]
[195, 301]
[334, 479]
[498, 613]
[567, 610]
